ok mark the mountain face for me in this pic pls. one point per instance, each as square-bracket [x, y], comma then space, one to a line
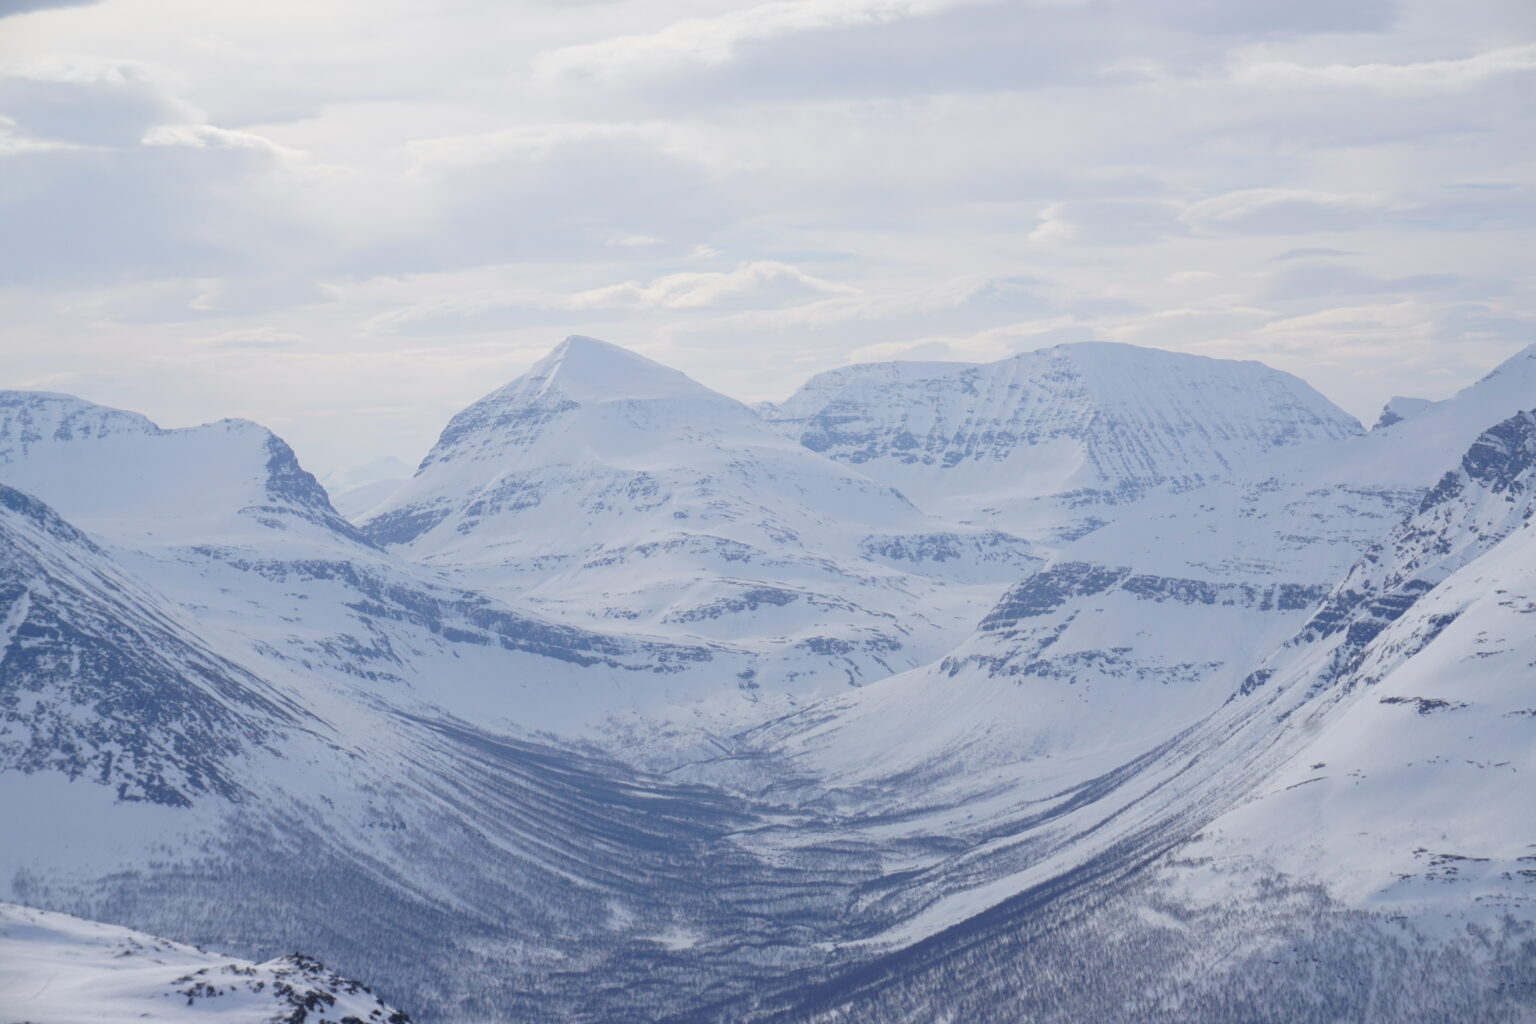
[1019, 442]
[1425, 647]
[564, 731]
[1344, 816]
[229, 530]
[116, 473]
[1399, 409]
[102, 681]
[611, 492]
[1134, 631]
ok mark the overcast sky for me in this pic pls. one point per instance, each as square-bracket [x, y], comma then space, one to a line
[348, 219]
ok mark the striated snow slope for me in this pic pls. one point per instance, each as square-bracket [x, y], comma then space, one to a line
[1042, 442]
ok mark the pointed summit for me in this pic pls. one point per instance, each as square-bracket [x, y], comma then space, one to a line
[578, 373]
[588, 370]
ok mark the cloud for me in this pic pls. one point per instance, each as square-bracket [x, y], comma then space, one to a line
[763, 283]
[207, 136]
[961, 303]
[1192, 278]
[249, 338]
[1316, 279]
[1108, 222]
[1301, 254]
[716, 40]
[1486, 322]
[1421, 78]
[1286, 211]
[89, 100]
[562, 192]
[1224, 17]
[755, 285]
[754, 192]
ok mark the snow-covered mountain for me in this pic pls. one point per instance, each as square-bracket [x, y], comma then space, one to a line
[612, 492]
[1138, 629]
[57, 969]
[1345, 836]
[1040, 443]
[1399, 409]
[223, 522]
[1426, 648]
[1253, 743]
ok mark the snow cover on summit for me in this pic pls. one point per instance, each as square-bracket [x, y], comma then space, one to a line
[618, 494]
[240, 547]
[117, 474]
[1019, 443]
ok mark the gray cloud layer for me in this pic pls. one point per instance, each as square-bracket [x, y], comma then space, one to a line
[346, 220]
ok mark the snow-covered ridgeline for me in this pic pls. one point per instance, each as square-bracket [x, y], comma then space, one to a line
[1206, 662]
[57, 969]
[615, 493]
[1022, 442]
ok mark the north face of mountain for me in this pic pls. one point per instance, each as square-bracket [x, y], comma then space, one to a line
[1088, 424]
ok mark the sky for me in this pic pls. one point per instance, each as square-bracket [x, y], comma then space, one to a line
[347, 220]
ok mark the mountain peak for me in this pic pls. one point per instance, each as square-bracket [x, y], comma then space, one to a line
[586, 370]
[1523, 361]
[1100, 421]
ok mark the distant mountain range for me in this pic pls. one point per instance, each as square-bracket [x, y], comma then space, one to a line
[1094, 683]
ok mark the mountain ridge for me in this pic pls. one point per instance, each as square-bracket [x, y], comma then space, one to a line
[806, 749]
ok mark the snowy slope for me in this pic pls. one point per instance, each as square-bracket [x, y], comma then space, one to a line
[1346, 837]
[223, 523]
[57, 969]
[1416, 795]
[102, 679]
[170, 778]
[116, 474]
[1041, 442]
[1139, 629]
[1278, 717]
[616, 493]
